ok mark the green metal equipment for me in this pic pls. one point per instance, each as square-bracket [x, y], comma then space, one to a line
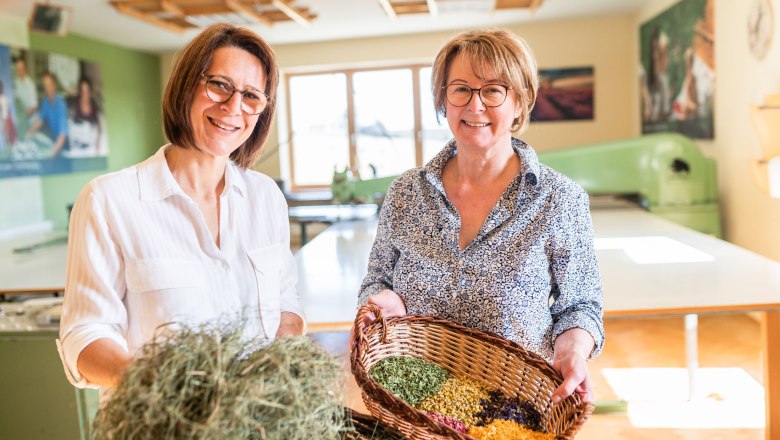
[37, 401]
[665, 172]
[347, 189]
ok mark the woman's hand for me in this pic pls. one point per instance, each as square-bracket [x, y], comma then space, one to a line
[103, 362]
[290, 325]
[572, 349]
[389, 303]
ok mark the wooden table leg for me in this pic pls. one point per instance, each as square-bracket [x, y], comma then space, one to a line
[771, 346]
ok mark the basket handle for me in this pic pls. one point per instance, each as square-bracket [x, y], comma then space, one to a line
[361, 321]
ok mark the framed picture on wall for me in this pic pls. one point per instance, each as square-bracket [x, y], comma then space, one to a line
[50, 18]
[564, 94]
[677, 71]
[52, 118]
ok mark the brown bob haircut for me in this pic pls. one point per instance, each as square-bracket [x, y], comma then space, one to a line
[493, 54]
[193, 62]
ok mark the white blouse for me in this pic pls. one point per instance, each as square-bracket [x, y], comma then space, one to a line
[140, 255]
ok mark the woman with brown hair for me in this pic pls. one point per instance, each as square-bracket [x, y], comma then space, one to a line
[191, 234]
[485, 234]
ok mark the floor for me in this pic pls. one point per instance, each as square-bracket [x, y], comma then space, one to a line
[643, 363]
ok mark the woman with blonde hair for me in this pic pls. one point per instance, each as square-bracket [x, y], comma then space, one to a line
[485, 234]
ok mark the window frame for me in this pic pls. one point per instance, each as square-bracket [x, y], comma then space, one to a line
[351, 116]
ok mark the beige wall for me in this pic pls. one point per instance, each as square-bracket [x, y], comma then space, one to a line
[605, 43]
[751, 218]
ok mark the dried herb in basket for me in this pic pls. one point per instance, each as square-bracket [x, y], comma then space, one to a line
[514, 409]
[506, 430]
[408, 378]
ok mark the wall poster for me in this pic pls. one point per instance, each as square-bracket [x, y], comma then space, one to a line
[677, 72]
[564, 94]
[51, 114]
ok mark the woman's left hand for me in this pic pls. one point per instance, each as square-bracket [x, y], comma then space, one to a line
[572, 349]
[574, 369]
[290, 325]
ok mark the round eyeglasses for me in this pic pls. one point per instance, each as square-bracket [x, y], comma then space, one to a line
[491, 95]
[220, 89]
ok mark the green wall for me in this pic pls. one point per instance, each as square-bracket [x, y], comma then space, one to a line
[132, 107]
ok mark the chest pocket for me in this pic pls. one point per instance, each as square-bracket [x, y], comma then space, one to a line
[267, 263]
[162, 291]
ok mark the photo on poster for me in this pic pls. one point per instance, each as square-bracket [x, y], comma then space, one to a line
[564, 94]
[677, 71]
[55, 123]
[7, 107]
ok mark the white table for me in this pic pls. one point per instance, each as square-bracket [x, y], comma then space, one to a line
[649, 266]
[329, 214]
[41, 269]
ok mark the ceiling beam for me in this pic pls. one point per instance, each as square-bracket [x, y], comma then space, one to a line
[286, 7]
[517, 4]
[420, 7]
[180, 15]
[172, 8]
[148, 18]
[247, 11]
[205, 9]
[388, 9]
[276, 15]
[433, 8]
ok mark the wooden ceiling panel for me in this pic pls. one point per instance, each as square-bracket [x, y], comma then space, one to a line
[393, 8]
[173, 15]
[515, 4]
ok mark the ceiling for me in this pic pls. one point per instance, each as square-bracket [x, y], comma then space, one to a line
[336, 19]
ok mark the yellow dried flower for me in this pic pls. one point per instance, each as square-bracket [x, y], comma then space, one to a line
[507, 430]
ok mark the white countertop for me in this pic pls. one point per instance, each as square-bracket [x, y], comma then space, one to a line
[648, 266]
[39, 270]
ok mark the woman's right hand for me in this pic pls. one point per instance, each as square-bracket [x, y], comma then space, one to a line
[103, 362]
[389, 303]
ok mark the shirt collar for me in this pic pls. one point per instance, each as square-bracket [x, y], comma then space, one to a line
[235, 179]
[529, 164]
[156, 182]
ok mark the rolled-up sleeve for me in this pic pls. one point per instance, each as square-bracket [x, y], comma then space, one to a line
[381, 261]
[576, 274]
[94, 285]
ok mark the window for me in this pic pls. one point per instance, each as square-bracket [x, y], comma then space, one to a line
[377, 122]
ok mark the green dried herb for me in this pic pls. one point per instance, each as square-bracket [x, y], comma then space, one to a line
[410, 379]
[208, 383]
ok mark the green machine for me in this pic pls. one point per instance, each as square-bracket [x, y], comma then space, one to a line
[347, 189]
[36, 400]
[665, 173]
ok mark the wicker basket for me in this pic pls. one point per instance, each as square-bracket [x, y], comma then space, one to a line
[368, 428]
[486, 357]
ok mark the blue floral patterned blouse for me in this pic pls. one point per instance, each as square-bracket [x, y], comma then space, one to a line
[530, 274]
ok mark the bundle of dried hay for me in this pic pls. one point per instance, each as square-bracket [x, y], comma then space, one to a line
[207, 383]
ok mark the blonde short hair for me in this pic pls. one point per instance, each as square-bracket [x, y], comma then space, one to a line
[492, 53]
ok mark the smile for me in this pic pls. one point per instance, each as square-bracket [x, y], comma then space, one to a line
[476, 124]
[222, 126]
